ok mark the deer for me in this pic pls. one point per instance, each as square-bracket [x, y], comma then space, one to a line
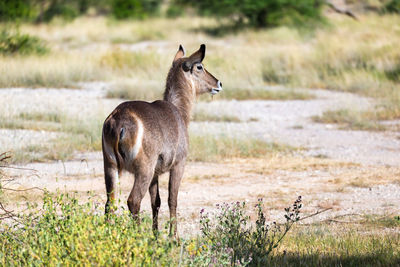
[149, 139]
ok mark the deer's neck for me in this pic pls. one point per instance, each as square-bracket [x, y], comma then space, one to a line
[182, 95]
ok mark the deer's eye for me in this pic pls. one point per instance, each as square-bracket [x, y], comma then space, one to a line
[199, 67]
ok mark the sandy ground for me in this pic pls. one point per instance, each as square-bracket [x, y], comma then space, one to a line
[349, 172]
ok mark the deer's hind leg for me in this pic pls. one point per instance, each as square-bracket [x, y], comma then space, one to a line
[143, 178]
[111, 175]
[155, 200]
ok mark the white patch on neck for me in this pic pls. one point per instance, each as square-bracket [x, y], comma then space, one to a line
[193, 87]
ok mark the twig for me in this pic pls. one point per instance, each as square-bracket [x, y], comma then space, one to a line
[17, 168]
[314, 214]
[341, 11]
[23, 190]
[4, 156]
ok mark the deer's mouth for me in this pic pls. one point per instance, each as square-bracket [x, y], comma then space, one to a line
[215, 91]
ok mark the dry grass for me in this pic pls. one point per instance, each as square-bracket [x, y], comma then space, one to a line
[74, 135]
[351, 119]
[264, 94]
[201, 116]
[218, 148]
[53, 70]
[136, 90]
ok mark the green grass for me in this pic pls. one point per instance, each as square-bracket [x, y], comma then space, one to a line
[350, 120]
[322, 245]
[213, 148]
[15, 43]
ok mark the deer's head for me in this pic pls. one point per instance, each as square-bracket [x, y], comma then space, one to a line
[195, 73]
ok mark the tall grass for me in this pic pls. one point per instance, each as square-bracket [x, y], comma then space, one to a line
[52, 70]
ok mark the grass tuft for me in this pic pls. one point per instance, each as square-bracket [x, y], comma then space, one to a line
[264, 94]
[201, 116]
[212, 148]
[351, 120]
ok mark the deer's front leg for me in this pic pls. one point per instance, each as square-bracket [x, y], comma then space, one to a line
[175, 177]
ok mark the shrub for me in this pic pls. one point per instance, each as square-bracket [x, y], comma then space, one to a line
[174, 11]
[11, 10]
[230, 236]
[23, 44]
[124, 9]
[392, 6]
[67, 233]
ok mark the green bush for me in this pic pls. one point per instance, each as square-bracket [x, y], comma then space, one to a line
[261, 13]
[67, 233]
[46, 10]
[174, 11]
[230, 236]
[124, 9]
[11, 10]
[392, 6]
[23, 44]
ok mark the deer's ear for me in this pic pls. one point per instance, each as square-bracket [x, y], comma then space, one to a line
[181, 53]
[199, 55]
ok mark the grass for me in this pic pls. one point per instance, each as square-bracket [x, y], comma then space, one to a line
[264, 94]
[212, 148]
[201, 116]
[349, 119]
[320, 245]
[53, 70]
[136, 90]
[74, 136]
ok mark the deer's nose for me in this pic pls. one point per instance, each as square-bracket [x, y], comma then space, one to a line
[219, 85]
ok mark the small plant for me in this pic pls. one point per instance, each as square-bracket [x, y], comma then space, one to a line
[23, 44]
[230, 235]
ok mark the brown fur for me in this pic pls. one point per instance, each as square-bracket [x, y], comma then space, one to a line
[148, 139]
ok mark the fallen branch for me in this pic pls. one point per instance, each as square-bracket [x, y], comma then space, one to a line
[23, 190]
[341, 11]
[314, 214]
